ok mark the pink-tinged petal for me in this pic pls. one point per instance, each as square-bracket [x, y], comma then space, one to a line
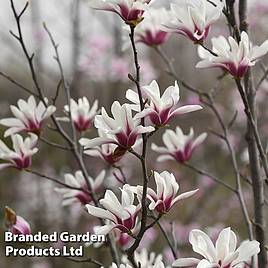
[49, 111]
[247, 250]
[13, 130]
[230, 258]
[3, 166]
[199, 140]
[225, 238]
[87, 143]
[203, 245]
[161, 150]
[259, 51]
[184, 196]
[146, 112]
[186, 109]
[209, 64]
[163, 158]
[11, 122]
[21, 226]
[140, 130]
[100, 213]
[185, 262]
[104, 230]
[207, 264]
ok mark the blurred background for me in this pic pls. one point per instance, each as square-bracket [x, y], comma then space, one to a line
[96, 66]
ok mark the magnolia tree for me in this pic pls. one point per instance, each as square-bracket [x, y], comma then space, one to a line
[129, 128]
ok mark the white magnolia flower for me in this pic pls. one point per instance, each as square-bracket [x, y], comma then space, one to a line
[160, 109]
[223, 254]
[131, 11]
[193, 18]
[122, 130]
[166, 195]
[178, 146]
[81, 113]
[231, 56]
[78, 180]
[146, 259]
[29, 116]
[150, 31]
[120, 266]
[21, 155]
[121, 215]
[105, 151]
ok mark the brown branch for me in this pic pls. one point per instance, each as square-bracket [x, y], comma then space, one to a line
[136, 80]
[55, 180]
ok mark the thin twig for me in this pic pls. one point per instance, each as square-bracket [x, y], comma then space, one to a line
[13, 81]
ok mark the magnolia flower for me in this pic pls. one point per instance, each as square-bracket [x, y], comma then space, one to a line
[193, 18]
[81, 113]
[105, 151]
[150, 31]
[121, 215]
[146, 259]
[157, 265]
[223, 254]
[78, 180]
[122, 130]
[165, 197]
[160, 109]
[29, 116]
[16, 224]
[120, 266]
[131, 11]
[177, 145]
[233, 57]
[21, 157]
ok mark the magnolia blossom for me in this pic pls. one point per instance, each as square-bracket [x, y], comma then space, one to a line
[150, 31]
[121, 215]
[177, 145]
[122, 130]
[165, 197]
[21, 156]
[223, 254]
[146, 259]
[131, 11]
[193, 18]
[105, 151]
[78, 180]
[156, 265]
[231, 56]
[29, 116]
[160, 109]
[81, 113]
[16, 224]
